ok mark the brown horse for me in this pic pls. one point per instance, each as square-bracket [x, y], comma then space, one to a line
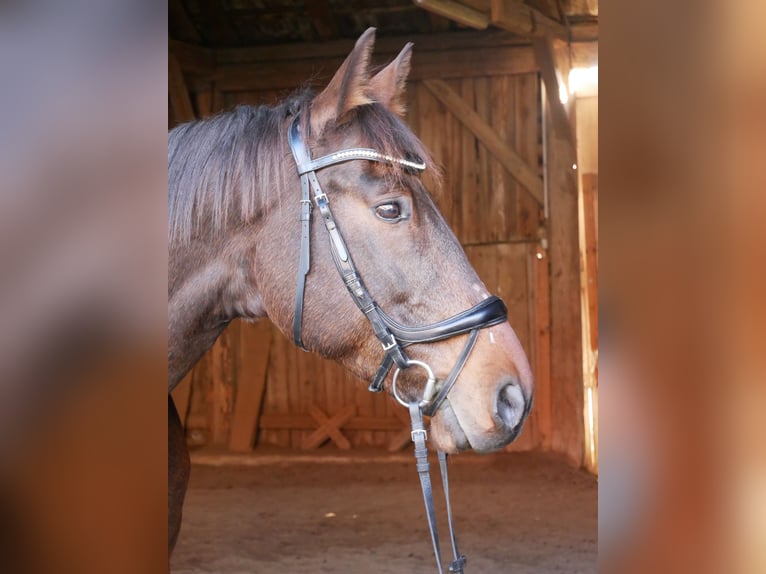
[235, 245]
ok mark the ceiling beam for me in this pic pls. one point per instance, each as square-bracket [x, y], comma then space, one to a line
[457, 12]
[322, 19]
[179, 23]
[192, 59]
[516, 17]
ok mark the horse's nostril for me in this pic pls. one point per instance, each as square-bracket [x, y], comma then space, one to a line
[510, 406]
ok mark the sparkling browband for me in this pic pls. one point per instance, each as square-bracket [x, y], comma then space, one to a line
[357, 153]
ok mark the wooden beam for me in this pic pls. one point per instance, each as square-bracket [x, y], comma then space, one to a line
[278, 75]
[220, 31]
[192, 59]
[457, 12]
[385, 46]
[566, 371]
[329, 427]
[544, 54]
[320, 14]
[584, 32]
[517, 17]
[540, 319]
[516, 166]
[180, 102]
[179, 23]
[254, 350]
[305, 422]
[404, 436]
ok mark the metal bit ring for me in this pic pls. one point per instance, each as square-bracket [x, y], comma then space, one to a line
[428, 392]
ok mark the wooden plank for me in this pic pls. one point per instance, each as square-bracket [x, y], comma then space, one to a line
[503, 188]
[402, 438]
[305, 422]
[456, 12]
[589, 195]
[488, 216]
[276, 390]
[524, 20]
[529, 214]
[539, 302]
[515, 165]
[322, 18]
[180, 102]
[191, 58]
[179, 23]
[203, 98]
[254, 350]
[222, 376]
[469, 186]
[448, 64]
[329, 427]
[544, 53]
[220, 31]
[385, 46]
[480, 5]
[566, 336]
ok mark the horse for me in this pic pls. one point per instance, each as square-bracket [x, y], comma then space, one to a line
[249, 212]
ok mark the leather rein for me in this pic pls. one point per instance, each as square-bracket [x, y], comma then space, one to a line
[394, 337]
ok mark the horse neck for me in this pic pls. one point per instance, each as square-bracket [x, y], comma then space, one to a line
[206, 292]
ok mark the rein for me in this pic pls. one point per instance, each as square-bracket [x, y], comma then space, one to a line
[394, 337]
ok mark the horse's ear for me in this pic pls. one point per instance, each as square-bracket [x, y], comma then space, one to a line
[347, 89]
[387, 87]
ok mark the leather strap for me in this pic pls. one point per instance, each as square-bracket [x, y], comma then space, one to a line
[419, 437]
[356, 153]
[459, 560]
[433, 406]
[490, 311]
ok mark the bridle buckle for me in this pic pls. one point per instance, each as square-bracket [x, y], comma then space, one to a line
[416, 432]
[391, 345]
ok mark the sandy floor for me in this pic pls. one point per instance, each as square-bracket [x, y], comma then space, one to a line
[519, 513]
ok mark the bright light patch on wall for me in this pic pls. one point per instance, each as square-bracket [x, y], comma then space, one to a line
[563, 94]
[583, 81]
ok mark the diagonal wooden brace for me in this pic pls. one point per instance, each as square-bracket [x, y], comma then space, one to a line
[329, 428]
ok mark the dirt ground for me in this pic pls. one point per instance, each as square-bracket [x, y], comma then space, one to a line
[292, 514]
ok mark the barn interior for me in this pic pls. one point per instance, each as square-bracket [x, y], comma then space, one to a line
[296, 465]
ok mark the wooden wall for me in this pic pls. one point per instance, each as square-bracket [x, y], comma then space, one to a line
[477, 106]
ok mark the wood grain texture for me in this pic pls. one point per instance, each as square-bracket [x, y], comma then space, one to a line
[253, 356]
[515, 165]
[470, 62]
[566, 336]
[178, 93]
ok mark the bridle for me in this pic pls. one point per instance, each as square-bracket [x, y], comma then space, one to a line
[393, 336]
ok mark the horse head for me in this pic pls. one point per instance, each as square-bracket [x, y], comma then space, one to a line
[402, 249]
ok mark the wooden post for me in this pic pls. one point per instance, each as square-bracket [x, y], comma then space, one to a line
[180, 102]
[566, 372]
[254, 350]
[540, 319]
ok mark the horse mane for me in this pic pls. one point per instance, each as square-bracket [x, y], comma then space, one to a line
[230, 166]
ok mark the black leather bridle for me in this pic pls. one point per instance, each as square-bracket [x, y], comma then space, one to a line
[393, 336]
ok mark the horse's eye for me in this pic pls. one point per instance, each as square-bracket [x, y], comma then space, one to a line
[389, 211]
